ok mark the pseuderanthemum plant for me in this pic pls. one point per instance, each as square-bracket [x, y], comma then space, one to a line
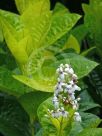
[33, 38]
[60, 114]
[29, 37]
[64, 94]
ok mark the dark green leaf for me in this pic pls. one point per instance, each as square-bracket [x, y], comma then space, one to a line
[10, 85]
[13, 119]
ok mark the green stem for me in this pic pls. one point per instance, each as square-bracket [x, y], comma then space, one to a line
[60, 131]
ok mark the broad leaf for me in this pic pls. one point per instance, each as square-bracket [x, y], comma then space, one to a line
[89, 120]
[13, 119]
[22, 5]
[62, 22]
[11, 86]
[31, 101]
[49, 126]
[91, 132]
[60, 7]
[14, 23]
[76, 128]
[37, 24]
[88, 105]
[72, 43]
[93, 21]
[79, 32]
[52, 126]
[45, 78]
[81, 65]
[15, 47]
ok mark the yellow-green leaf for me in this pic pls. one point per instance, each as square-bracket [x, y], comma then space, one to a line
[62, 22]
[17, 49]
[72, 43]
[37, 20]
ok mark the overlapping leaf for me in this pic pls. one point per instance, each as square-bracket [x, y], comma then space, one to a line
[37, 24]
[62, 22]
[13, 119]
[44, 79]
[11, 86]
[52, 125]
[91, 132]
[93, 21]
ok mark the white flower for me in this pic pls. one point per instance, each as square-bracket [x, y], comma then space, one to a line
[59, 87]
[67, 66]
[64, 113]
[55, 102]
[62, 108]
[68, 88]
[61, 65]
[78, 99]
[59, 70]
[72, 96]
[64, 93]
[74, 76]
[76, 87]
[62, 76]
[75, 105]
[67, 70]
[71, 82]
[56, 114]
[71, 71]
[77, 117]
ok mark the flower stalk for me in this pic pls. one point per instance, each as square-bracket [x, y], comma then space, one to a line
[64, 99]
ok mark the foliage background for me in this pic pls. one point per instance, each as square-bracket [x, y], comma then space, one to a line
[73, 6]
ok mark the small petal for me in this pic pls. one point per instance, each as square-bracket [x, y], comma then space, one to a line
[71, 71]
[67, 66]
[77, 88]
[77, 117]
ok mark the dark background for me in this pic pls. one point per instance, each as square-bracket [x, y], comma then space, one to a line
[72, 5]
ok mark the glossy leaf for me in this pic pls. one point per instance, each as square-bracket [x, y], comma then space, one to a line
[11, 86]
[50, 125]
[31, 101]
[45, 78]
[22, 5]
[13, 119]
[89, 120]
[72, 43]
[76, 128]
[60, 7]
[91, 132]
[62, 22]
[42, 17]
[79, 32]
[88, 105]
[81, 65]
[16, 48]
[14, 23]
[93, 22]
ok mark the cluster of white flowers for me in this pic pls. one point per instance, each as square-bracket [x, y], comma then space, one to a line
[64, 93]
